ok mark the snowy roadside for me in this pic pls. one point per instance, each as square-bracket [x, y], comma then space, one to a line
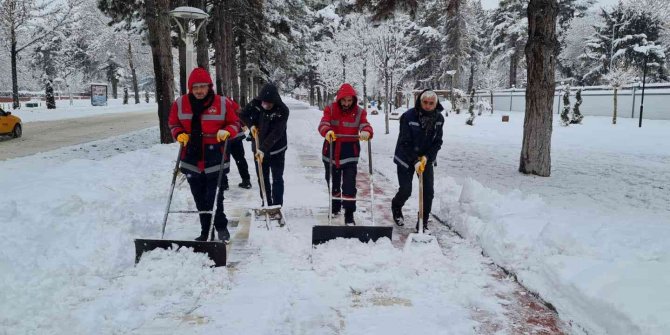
[67, 260]
[593, 239]
[80, 108]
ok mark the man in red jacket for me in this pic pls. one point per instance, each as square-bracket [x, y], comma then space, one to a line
[201, 121]
[344, 124]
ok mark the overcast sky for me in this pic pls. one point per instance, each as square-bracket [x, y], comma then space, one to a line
[488, 4]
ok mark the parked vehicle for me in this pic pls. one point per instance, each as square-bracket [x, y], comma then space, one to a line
[10, 124]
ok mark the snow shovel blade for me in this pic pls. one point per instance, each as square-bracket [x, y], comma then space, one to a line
[423, 242]
[260, 211]
[216, 251]
[323, 234]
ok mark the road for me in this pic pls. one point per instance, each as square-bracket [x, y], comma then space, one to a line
[41, 136]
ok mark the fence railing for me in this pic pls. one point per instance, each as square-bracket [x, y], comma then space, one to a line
[597, 100]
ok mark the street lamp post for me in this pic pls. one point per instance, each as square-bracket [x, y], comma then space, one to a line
[644, 80]
[189, 14]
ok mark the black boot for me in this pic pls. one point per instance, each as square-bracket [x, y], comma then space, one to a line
[349, 218]
[224, 235]
[202, 237]
[425, 227]
[397, 216]
[245, 184]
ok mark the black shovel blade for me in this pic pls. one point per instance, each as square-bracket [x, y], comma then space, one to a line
[216, 251]
[323, 234]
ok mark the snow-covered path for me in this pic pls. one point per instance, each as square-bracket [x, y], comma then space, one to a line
[67, 264]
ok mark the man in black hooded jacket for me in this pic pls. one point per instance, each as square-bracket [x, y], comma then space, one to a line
[267, 116]
[419, 140]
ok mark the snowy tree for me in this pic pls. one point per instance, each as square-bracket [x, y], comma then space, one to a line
[574, 45]
[113, 73]
[458, 40]
[632, 28]
[49, 95]
[483, 106]
[619, 76]
[426, 39]
[471, 109]
[577, 116]
[509, 35]
[389, 54]
[26, 22]
[565, 113]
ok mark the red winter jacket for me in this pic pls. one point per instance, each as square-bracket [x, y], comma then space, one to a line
[346, 125]
[221, 115]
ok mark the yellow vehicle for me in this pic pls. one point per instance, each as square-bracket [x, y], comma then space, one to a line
[10, 124]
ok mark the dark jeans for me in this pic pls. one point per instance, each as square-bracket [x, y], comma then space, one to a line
[343, 185]
[405, 189]
[274, 188]
[203, 188]
[236, 150]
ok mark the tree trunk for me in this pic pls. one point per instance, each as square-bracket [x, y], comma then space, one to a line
[344, 68]
[513, 65]
[244, 75]
[231, 68]
[133, 73]
[471, 80]
[319, 97]
[182, 67]
[15, 78]
[158, 24]
[536, 148]
[115, 86]
[615, 105]
[202, 44]
[219, 51]
[386, 93]
[365, 86]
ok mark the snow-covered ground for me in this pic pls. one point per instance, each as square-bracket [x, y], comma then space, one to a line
[593, 240]
[80, 108]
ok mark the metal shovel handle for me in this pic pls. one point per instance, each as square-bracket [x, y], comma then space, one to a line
[175, 172]
[218, 187]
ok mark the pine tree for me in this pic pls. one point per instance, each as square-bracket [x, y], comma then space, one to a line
[577, 116]
[565, 114]
[509, 35]
[471, 109]
[49, 92]
[633, 28]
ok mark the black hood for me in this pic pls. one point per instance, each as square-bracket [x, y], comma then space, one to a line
[417, 103]
[270, 93]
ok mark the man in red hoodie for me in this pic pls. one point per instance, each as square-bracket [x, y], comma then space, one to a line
[201, 121]
[344, 124]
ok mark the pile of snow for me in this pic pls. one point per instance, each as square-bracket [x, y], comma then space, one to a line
[80, 108]
[593, 239]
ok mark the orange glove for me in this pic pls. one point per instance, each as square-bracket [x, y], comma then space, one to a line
[420, 166]
[222, 135]
[330, 136]
[183, 139]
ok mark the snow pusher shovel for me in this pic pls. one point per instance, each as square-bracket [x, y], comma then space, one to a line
[216, 251]
[322, 234]
[420, 238]
[271, 213]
